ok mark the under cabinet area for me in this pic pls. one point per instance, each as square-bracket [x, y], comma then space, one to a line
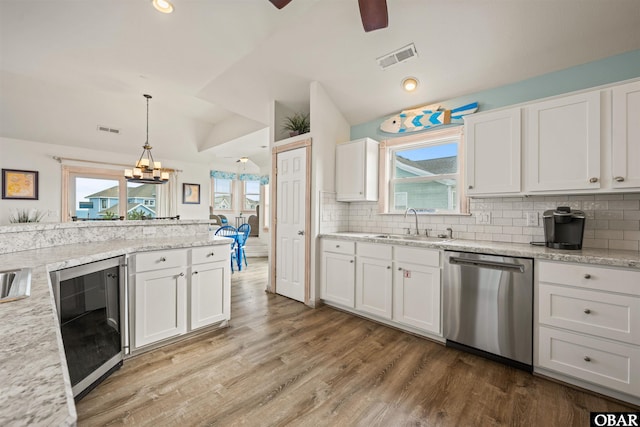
[393, 284]
[589, 326]
[174, 292]
[357, 170]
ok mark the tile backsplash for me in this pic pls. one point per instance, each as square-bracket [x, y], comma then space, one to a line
[613, 220]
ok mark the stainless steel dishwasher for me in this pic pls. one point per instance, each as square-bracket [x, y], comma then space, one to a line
[488, 306]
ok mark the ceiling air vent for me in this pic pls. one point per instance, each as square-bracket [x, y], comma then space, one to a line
[108, 129]
[398, 56]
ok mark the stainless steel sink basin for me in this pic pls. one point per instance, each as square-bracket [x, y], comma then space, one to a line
[411, 237]
[15, 284]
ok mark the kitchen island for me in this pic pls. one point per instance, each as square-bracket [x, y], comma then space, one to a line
[35, 388]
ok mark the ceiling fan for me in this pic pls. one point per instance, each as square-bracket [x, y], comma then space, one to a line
[373, 13]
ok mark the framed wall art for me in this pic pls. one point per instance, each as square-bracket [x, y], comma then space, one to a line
[191, 194]
[19, 184]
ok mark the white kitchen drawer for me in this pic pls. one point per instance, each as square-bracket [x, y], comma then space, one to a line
[612, 365]
[157, 260]
[598, 313]
[205, 254]
[374, 250]
[429, 257]
[339, 246]
[589, 276]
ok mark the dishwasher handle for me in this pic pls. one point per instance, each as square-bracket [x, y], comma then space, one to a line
[496, 265]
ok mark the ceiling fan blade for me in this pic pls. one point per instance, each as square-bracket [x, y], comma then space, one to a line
[280, 3]
[374, 14]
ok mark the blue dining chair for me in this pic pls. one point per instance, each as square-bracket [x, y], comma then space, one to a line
[243, 235]
[230, 232]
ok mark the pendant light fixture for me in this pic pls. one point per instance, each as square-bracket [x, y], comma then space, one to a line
[146, 170]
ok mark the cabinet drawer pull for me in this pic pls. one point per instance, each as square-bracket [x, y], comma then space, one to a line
[587, 276]
[619, 178]
[162, 259]
[351, 261]
[593, 180]
[337, 246]
[587, 359]
[587, 311]
[211, 254]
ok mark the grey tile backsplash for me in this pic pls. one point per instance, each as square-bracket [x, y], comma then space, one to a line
[613, 220]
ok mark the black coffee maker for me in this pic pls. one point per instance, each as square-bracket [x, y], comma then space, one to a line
[563, 228]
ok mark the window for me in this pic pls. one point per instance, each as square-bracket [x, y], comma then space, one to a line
[266, 208]
[222, 194]
[104, 194]
[251, 195]
[424, 173]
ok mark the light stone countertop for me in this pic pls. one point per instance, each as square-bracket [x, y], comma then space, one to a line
[604, 257]
[34, 382]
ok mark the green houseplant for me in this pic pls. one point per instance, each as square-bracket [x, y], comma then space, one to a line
[297, 124]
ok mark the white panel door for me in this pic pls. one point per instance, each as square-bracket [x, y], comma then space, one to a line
[563, 142]
[626, 136]
[290, 222]
[160, 308]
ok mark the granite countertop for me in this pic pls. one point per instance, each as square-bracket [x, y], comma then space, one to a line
[34, 382]
[604, 257]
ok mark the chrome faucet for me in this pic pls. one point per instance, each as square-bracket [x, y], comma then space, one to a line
[416, 215]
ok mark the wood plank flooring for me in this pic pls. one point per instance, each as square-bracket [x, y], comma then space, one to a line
[281, 363]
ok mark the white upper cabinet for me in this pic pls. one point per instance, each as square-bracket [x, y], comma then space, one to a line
[357, 170]
[625, 168]
[493, 142]
[563, 143]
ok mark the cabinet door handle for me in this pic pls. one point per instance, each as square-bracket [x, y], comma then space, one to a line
[399, 268]
[587, 359]
[181, 274]
[587, 276]
[388, 267]
[162, 259]
[195, 272]
[593, 180]
[337, 246]
[351, 261]
[587, 311]
[471, 187]
[619, 178]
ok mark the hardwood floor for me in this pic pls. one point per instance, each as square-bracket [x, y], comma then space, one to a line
[281, 363]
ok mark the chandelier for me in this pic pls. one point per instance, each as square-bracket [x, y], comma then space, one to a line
[146, 170]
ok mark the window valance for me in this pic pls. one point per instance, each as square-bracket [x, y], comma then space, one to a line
[264, 179]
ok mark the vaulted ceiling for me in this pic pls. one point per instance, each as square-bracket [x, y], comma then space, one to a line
[214, 66]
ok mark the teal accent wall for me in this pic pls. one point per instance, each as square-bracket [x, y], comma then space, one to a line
[609, 70]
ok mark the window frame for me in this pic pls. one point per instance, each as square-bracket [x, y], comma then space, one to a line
[70, 173]
[231, 194]
[434, 137]
[243, 194]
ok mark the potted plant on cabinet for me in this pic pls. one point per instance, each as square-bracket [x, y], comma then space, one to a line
[297, 124]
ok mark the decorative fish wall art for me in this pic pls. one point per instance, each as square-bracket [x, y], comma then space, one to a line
[426, 117]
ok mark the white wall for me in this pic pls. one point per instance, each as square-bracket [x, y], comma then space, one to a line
[38, 156]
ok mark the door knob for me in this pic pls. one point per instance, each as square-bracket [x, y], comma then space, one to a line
[593, 180]
[301, 233]
[619, 178]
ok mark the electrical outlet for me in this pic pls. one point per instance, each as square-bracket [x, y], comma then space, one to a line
[483, 218]
[532, 219]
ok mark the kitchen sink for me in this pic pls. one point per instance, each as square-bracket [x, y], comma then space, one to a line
[15, 284]
[411, 237]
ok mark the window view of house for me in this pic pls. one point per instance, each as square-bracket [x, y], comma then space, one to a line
[99, 199]
[222, 194]
[251, 195]
[425, 177]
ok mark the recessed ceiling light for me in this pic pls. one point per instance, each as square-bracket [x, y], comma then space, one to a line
[163, 6]
[410, 84]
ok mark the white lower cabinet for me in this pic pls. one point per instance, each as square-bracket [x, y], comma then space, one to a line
[398, 285]
[589, 326]
[416, 291]
[160, 308]
[177, 291]
[338, 272]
